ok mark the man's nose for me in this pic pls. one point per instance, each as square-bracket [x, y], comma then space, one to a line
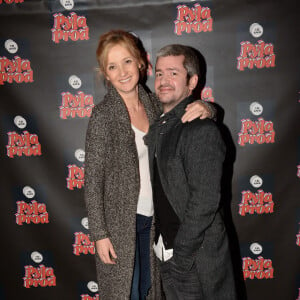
[164, 79]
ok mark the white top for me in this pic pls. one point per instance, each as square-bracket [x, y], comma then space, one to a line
[145, 201]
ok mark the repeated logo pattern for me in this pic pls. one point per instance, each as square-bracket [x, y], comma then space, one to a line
[70, 32]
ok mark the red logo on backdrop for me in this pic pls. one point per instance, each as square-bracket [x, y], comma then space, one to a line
[82, 244]
[23, 144]
[72, 27]
[15, 70]
[207, 94]
[41, 276]
[298, 238]
[260, 132]
[11, 1]
[32, 212]
[196, 19]
[73, 106]
[87, 297]
[259, 268]
[259, 55]
[256, 203]
[75, 177]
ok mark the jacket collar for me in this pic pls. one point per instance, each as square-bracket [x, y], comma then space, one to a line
[179, 110]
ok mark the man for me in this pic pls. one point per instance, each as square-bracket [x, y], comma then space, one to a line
[186, 167]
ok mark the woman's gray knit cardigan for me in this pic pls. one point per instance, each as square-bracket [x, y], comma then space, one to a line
[112, 188]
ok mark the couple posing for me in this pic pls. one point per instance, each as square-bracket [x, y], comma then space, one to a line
[152, 180]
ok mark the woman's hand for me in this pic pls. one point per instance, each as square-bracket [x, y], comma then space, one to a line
[106, 251]
[198, 109]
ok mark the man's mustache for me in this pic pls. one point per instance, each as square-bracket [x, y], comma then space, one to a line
[165, 86]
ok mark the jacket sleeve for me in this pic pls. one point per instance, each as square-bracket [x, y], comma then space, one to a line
[95, 148]
[203, 157]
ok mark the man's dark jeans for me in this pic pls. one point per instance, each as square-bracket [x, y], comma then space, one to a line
[179, 284]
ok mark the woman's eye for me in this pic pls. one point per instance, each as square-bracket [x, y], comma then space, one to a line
[111, 68]
[128, 61]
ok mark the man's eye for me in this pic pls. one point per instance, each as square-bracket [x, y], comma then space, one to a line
[128, 61]
[158, 74]
[174, 73]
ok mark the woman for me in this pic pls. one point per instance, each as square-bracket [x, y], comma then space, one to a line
[118, 191]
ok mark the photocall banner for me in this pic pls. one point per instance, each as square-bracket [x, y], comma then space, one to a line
[49, 84]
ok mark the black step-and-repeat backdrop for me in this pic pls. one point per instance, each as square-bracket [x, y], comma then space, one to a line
[49, 85]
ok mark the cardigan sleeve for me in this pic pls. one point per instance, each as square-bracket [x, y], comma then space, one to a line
[158, 109]
[95, 148]
[212, 110]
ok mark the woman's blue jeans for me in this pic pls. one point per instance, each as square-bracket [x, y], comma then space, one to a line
[141, 280]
